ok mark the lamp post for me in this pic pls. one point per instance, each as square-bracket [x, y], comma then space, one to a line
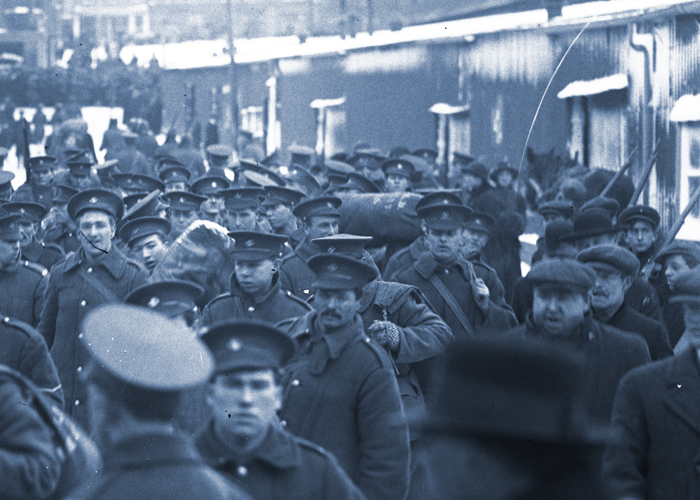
[233, 77]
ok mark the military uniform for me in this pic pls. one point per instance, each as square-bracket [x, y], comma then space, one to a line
[22, 288]
[44, 254]
[24, 350]
[35, 194]
[282, 467]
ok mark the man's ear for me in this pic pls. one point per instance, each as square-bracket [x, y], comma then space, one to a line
[276, 264]
[424, 227]
[627, 282]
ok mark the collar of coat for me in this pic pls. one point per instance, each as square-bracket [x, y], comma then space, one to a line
[418, 248]
[151, 449]
[279, 449]
[426, 266]
[113, 262]
[305, 250]
[237, 291]
[307, 329]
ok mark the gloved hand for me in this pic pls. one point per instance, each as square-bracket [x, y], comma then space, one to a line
[385, 333]
[481, 294]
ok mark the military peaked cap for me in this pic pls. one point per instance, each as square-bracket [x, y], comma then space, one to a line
[438, 198]
[640, 213]
[360, 183]
[29, 212]
[343, 244]
[63, 194]
[142, 227]
[174, 173]
[170, 297]
[277, 195]
[243, 198]
[338, 272]
[207, 186]
[257, 246]
[40, 163]
[480, 221]
[182, 200]
[400, 167]
[325, 206]
[9, 231]
[445, 216]
[95, 199]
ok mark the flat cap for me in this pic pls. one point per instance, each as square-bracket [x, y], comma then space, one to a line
[325, 206]
[142, 227]
[338, 272]
[609, 206]
[480, 221]
[642, 213]
[343, 244]
[556, 232]
[28, 211]
[445, 217]
[557, 207]
[207, 186]
[360, 183]
[592, 223]
[40, 163]
[615, 257]
[278, 195]
[438, 198]
[182, 200]
[145, 349]
[243, 198]
[63, 194]
[247, 345]
[562, 274]
[95, 199]
[170, 297]
[254, 246]
[397, 166]
[688, 249]
[686, 287]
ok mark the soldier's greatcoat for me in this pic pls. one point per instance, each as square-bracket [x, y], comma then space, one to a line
[76, 286]
[22, 288]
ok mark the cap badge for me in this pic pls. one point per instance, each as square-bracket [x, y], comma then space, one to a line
[93, 199]
[235, 345]
[250, 243]
[445, 201]
[153, 303]
[330, 205]
[182, 199]
[331, 249]
[22, 211]
[213, 184]
[444, 215]
[332, 268]
[237, 195]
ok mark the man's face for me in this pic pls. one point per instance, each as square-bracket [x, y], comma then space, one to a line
[41, 178]
[559, 312]
[9, 252]
[175, 186]
[246, 402]
[609, 289]
[471, 182]
[396, 183]
[255, 277]
[675, 265]
[149, 250]
[95, 230]
[335, 308]
[640, 237]
[474, 240]
[181, 220]
[444, 244]
[81, 182]
[242, 220]
[279, 216]
[552, 216]
[321, 227]
[28, 231]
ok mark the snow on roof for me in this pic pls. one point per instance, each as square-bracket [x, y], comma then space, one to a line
[206, 53]
[593, 87]
[686, 109]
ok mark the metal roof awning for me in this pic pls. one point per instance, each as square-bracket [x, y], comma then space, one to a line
[686, 109]
[327, 103]
[594, 87]
[442, 108]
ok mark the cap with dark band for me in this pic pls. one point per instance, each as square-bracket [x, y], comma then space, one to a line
[40, 163]
[29, 212]
[445, 217]
[174, 173]
[243, 198]
[438, 198]
[170, 297]
[325, 206]
[142, 227]
[247, 345]
[640, 213]
[182, 200]
[343, 244]
[338, 272]
[208, 186]
[254, 246]
[95, 199]
[277, 195]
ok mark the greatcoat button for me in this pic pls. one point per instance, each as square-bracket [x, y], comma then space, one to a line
[295, 382]
[83, 303]
[89, 269]
[77, 402]
[242, 471]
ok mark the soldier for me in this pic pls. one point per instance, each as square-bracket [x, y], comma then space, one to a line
[280, 203]
[147, 239]
[255, 292]
[242, 208]
[218, 156]
[40, 187]
[212, 187]
[399, 319]
[320, 217]
[340, 389]
[508, 425]
[34, 250]
[6, 189]
[473, 182]
[135, 382]
[476, 233]
[57, 227]
[183, 210]
[561, 314]
[448, 281]
[244, 439]
[300, 179]
[358, 184]
[656, 414]
[615, 268]
[174, 175]
[367, 161]
[22, 283]
[642, 231]
[79, 175]
[96, 274]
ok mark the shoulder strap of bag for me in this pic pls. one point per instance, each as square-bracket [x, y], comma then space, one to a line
[452, 303]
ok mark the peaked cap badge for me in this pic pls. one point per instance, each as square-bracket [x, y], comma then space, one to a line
[153, 303]
[332, 268]
[235, 345]
[249, 243]
[93, 199]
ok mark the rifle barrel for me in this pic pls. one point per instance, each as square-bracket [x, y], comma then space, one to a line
[619, 173]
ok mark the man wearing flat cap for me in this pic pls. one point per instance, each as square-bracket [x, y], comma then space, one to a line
[561, 314]
[657, 417]
[255, 292]
[183, 210]
[96, 274]
[615, 268]
[147, 239]
[244, 439]
[340, 388]
[139, 364]
[34, 250]
[22, 284]
[449, 282]
[556, 210]
[39, 189]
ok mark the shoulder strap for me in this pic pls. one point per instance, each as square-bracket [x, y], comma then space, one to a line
[452, 303]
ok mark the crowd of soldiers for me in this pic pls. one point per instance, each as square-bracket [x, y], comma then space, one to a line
[352, 328]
